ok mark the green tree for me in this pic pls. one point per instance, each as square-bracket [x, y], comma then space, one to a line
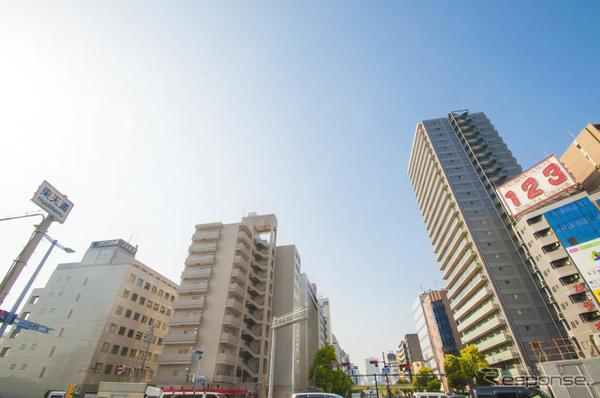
[323, 376]
[468, 369]
[426, 380]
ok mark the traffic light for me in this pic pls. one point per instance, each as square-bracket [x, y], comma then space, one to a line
[7, 317]
[376, 363]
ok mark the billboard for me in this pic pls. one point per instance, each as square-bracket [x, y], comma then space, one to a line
[536, 185]
[52, 202]
[587, 259]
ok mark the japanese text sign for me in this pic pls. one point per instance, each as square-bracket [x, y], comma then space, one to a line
[536, 185]
[52, 202]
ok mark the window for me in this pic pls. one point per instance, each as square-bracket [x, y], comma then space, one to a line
[132, 278]
[85, 281]
[42, 372]
[78, 296]
[51, 294]
[22, 346]
[156, 306]
[134, 297]
[151, 321]
[24, 366]
[112, 328]
[125, 293]
[105, 347]
[25, 315]
[12, 366]
[34, 299]
[97, 367]
[138, 335]
[140, 282]
[167, 295]
[130, 333]
[124, 351]
[52, 351]
[119, 310]
[108, 369]
[115, 349]
[527, 327]
[144, 319]
[128, 314]
[162, 309]
[59, 279]
[132, 353]
[62, 330]
[142, 301]
[150, 302]
[122, 330]
[168, 312]
[33, 346]
[4, 351]
[161, 292]
[70, 313]
[154, 289]
[147, 286]
[158, 323]
[68, 278]
[136, 316]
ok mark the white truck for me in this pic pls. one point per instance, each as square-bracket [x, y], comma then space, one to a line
[128, 390]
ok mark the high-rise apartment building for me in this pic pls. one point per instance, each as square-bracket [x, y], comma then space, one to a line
[423, 333]
[455, 165]
[225, 309]
[100, 309]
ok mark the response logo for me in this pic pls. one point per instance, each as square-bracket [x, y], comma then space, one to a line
[595, 256]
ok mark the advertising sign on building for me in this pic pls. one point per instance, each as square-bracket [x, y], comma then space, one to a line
[535, 186]
[587, 259]
[52, 202]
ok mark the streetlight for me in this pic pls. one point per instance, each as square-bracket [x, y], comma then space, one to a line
[35, 274]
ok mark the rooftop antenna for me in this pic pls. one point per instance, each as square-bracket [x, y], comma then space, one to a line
[435, 284]
[546, 153]
[421, 287]
[574, 138]
[130, 236]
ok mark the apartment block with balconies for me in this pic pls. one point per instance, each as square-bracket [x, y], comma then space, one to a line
[224, 308]
[455, 164]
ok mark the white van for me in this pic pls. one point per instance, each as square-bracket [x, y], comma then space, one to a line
[430, 395]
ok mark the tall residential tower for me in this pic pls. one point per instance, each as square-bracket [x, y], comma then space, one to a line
[455, 165]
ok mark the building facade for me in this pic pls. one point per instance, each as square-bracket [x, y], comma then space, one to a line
[582, 158]
[423, 333]
[455, 165]
[224, 309]
[548, 235]
[100, 309]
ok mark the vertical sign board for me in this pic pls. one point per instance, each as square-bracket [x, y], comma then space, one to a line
[586, 257]
[52, 202]
[536, 185]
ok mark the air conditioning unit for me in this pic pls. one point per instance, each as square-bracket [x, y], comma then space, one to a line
[191, 378]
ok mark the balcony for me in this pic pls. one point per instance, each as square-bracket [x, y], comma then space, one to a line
[241, 263]
[462, 249]
[196, 273]
[223, 379]
[454, 244]
[203, 247]
[226, 359]
[467, 257]
[195, 287]
[449, 232]
[232, 320]
[459, 275]
[228, 338]
[204, 236]
[503, 356]
[200, 259]
[475, 283]
[244, 238]
[175, 359]
[237, 290]
[495, 341]
[181, 303]
[482, 330]
[189, 318]
[234, 304]
[473, 301]
[478, 315]
[242, 250]
[180, 338]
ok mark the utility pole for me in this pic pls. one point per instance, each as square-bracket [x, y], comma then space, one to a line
[387, 378]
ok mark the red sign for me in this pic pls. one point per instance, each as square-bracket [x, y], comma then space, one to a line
[120, 369]
[536, 185]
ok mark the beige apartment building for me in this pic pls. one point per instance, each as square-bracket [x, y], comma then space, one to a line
[101, 309]
[582, 158]
[224, 309]
[455, 165]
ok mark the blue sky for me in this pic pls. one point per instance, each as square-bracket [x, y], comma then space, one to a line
[155, 116]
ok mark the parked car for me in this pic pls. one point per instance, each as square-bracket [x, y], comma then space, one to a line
[316, 395]
[430, 395]
[508, 392]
